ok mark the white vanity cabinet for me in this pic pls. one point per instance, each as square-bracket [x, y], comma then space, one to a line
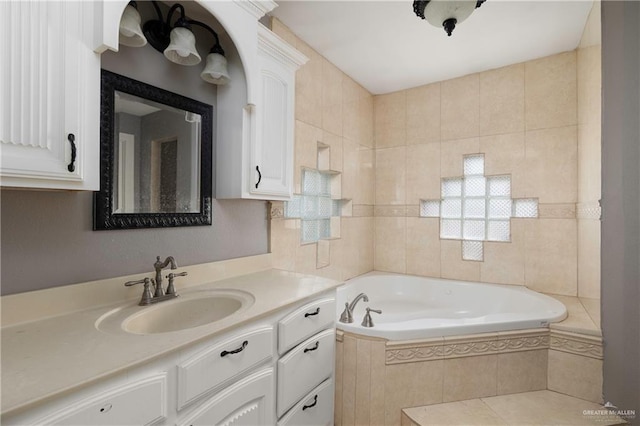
[277, 367]
[49, 96]
[266, 166]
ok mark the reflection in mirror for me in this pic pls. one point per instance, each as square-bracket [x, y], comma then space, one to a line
[158, 151]
[156, 157]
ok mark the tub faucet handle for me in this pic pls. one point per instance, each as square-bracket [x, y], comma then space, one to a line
[346, 316]
[367, 321]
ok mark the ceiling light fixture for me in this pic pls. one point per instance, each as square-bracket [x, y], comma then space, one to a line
[445, 13]
[176, 42]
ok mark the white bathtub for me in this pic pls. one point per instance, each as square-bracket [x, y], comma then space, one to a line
[416, 307]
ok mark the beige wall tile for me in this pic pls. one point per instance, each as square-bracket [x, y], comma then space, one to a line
[406, 421]
[351, 94]
[589, 258]
[471, 377]
[551, 91]
[423, 172]
[284, 32]
[575, 375]
[589, 162]
[335, 150]
[390, 114]
[551, 165]
[460, 107]
[502, 100]
[390, 175]
[350, 244]
[365, 193]
[365, 108]
[423, 114]
[378, 367]
[451, 155]
[305, 150]
[551, 256]
[423, 247]
[589, 63]
[504, 155]
[411, 385]
[363, 381]
[522, 371]
[451, 264]
[350, 169]
[389, 244]
[578, 320]
[309, 87]
[592, 306]
[349, 370]
[285, 238]
[504, 262]
[366, 234]
[331, 98]
[306, 259]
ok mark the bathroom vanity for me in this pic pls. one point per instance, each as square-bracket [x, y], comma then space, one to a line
[269, 362]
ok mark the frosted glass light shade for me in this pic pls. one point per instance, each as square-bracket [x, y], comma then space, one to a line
[182, 48]
[438, 11]
[130, 30]
[215, 71]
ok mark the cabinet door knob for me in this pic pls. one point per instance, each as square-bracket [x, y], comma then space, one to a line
[259, 176]
[72, 140]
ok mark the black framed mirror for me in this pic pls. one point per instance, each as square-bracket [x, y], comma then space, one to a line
[155, 157]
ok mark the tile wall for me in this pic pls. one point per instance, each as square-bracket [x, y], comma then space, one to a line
[524, 118]
[538, 121]
[332, 109]
[589, 155]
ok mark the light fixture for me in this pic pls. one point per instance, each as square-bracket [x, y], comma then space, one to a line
[445, 13]
[176, 42]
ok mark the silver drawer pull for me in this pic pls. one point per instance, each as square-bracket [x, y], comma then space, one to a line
[235, 351]
[310, 314]
[313, 404]
[317, 345]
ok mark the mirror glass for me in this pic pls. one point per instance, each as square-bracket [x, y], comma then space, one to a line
[156, 157]
[157, 149]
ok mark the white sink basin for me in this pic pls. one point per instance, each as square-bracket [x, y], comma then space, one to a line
[193, 309]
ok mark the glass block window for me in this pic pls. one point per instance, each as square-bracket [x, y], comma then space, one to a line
[476, 208]
[314, 206]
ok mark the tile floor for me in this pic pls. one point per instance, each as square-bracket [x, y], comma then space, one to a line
[529, 408]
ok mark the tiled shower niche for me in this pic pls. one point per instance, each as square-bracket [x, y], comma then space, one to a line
[475, 208]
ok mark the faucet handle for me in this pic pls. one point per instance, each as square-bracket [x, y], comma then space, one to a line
[170, 288]
[146, 293]
[346, 316]
[367, 321]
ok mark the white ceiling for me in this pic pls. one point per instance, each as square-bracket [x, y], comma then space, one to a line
[385, 47]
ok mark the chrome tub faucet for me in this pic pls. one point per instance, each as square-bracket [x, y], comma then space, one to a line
[347, 314]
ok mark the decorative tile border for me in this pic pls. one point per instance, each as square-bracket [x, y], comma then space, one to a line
[466, 346]
[577, 344]
[276, 210]
[390, 211]
[557, 211]
[591, 210]
[362, 210]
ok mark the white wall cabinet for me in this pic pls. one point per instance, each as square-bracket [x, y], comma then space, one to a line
[266, 170]
[221, 381]
[49, 96]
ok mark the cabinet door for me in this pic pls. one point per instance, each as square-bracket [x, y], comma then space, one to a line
[271, 174]
[249, 402]
[49, 95]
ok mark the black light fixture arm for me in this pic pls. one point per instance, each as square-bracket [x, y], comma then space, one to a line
[216, 47]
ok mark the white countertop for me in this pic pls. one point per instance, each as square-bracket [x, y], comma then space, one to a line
[47, 357]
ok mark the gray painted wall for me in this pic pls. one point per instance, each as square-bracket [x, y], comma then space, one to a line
[47, 238]
[621, 203]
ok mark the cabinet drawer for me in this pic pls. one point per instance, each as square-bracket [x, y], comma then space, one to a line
[303, 368]
[221, 362]
[248, 402]
[140, 402]
[305, 322]
[315, 409]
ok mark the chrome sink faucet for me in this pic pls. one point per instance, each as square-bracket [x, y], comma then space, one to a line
[159, 294]
[159, 266]
[347, 314]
